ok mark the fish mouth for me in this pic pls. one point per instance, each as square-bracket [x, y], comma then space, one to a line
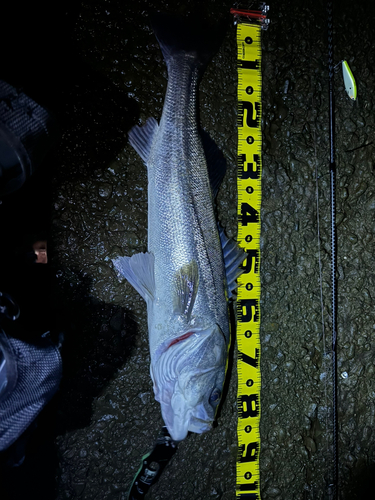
[180, 418]
[199, 426]
[179, 432]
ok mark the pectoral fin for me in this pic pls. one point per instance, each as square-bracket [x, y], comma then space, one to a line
[185, 289]
[233, 258]
[139, 271]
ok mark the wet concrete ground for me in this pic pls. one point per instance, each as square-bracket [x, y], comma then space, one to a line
[110, 76]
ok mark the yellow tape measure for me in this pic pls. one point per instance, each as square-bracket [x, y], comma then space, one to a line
[248, 300]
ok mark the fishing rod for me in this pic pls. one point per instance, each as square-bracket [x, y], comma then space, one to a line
[351, 90]
[332, 170]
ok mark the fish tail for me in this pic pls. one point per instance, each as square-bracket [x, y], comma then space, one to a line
[194, 39]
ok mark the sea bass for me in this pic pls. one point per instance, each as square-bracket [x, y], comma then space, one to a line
[189, 271]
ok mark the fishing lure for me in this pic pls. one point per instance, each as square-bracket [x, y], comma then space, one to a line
[349, 81]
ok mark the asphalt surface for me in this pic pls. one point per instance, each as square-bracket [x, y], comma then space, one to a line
[97, 65]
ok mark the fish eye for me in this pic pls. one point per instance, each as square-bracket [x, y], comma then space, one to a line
[215, 397]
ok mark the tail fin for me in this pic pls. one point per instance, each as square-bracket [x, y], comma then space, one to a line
[179, 36]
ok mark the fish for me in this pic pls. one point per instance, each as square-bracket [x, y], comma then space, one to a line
[189, 272]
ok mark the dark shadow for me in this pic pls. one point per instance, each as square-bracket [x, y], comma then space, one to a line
[98, 338]
[37, 472]
[362, 483]
[94, 125]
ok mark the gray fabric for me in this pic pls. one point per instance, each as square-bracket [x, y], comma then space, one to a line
[35, 376]
[26, 120]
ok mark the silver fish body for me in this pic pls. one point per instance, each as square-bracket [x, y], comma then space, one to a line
[183, 277]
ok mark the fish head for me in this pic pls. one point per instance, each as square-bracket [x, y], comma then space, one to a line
[188, 379]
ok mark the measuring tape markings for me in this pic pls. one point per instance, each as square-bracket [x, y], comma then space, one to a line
[248, 301]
